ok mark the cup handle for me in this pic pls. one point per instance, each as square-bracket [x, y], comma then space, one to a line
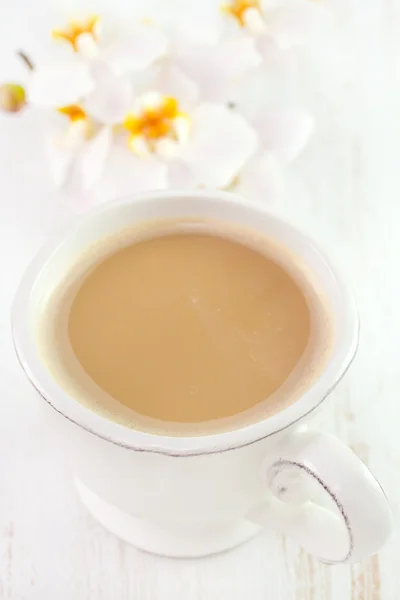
[324, 497]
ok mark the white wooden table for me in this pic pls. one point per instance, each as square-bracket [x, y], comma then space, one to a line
[345, 190]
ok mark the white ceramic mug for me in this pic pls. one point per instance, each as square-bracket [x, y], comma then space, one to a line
[192, 496]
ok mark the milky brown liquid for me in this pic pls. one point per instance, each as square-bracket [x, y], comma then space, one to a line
[188, 329]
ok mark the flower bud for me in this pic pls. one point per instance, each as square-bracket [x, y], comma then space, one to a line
[12, 97]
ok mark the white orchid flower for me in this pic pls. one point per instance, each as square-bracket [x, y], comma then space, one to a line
[198, 47]
[91, 80]
[111, 61]
[286, 24]
[282, 135]
[173, 139]
[78, 151]
[278, 30]
[177, 139]
[219, 49]
[76, 146]
[206, 146]
[176, 131]
[125, 54]
[94, 63]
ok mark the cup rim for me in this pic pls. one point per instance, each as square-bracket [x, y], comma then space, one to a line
[141, 441]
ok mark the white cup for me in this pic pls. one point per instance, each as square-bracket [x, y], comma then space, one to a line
[193, 496]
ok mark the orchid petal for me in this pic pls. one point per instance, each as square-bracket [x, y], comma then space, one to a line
[293, 26]
[60, 162]
[254, 21]
[167, 148]
[215, 68]
[55, 86]
[195, 30]
[261, 179]
[275, 58]
[285, 132]
[148, 100]
[136, 51]
[139, 146]
[76, 134]
[111, 98]
[172, 81]
[237, 56]
[60, 159]
[182, 128]
[130, 174]
[180, 175]
[92, 158]
[62, 146]
[221, 142]
[87, 46]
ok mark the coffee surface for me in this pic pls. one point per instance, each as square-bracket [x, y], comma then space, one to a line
[188, 327]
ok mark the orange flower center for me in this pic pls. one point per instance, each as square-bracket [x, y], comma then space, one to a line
[237, 9]
[79, 123]
[75, 29]
[74, 112]
[154, 123]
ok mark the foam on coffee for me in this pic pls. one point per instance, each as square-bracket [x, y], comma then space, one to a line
[186, 327]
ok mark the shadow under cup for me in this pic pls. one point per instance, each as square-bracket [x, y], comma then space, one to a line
[51, 264]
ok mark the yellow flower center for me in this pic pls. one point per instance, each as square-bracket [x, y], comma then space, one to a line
[80, 124]
[238, 8]
[75, 29]
[74, 112]
[158, 120]
[153, 123]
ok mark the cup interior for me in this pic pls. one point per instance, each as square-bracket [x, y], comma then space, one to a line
[47, 269]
